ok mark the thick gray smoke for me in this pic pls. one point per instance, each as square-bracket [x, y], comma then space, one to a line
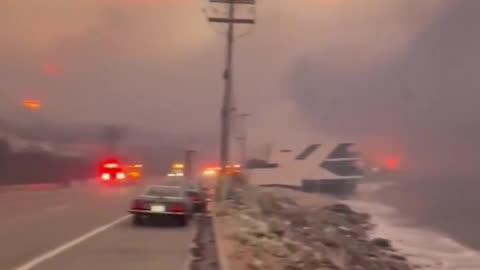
[421, 104]
[397, 75]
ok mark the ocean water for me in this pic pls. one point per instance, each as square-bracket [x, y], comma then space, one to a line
[413, 231]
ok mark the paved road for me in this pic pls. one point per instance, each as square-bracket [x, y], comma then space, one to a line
[84, 227]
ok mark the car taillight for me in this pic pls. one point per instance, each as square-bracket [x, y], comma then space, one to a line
[176, 208]
[105, 176]
[120, 175]
[140, 205]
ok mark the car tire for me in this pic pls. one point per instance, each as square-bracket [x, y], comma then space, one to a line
[201, 208]
[182, 221]
[137, 220]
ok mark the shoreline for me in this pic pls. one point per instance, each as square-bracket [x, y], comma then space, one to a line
[301, 231]
[427, 248]
[417, 212]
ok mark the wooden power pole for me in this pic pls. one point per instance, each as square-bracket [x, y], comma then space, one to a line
[227, 106]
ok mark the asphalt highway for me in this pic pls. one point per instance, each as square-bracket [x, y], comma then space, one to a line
[85, 227]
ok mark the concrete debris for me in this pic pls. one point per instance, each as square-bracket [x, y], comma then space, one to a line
[269, 204]
[340, 208]
[281, 234]
[256, 264]
[244, 237]
[276, 248]
[277, 227]
[381, 242]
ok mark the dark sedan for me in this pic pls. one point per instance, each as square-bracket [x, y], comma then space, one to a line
[166, 201]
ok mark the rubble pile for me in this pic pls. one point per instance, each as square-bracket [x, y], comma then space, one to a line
[280, 234]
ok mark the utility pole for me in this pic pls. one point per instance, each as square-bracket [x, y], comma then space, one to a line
[227, 107]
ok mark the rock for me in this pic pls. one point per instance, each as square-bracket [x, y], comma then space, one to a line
[254, 213]
[340, 208]
[372, 256]
[366, 226]
[329, 237]
[255, 226]
[256, 264]
[292, 246]
[398, 265]
[364, 217]
[196, 252]
[287, 200]
[327, 264]
[297, 216]
[295, 262]
[269, 204]
[305, 259]
[276, 248]
[381, 242]
[277, 227]
[257, 251]
[398, 257]
[307, 231]
[245, 237]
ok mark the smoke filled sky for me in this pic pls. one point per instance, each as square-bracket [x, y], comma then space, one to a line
[399, 76]
[326, 68]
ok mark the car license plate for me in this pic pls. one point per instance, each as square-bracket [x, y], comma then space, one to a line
[157, 208]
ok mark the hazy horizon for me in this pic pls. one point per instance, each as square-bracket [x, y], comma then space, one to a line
[398, 76]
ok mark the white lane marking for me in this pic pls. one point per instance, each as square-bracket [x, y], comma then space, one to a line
[50, 254]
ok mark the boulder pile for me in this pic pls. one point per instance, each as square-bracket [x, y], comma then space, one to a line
[280, 234]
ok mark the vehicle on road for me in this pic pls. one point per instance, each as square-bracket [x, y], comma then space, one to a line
[162, 201]
[198, 195]
[211, 173]
[111, 172]
[177, 169]
[134, 171]
[195, 191]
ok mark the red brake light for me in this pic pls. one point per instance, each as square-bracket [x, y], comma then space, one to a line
[176, 208]
[392, 163]
[140, 205]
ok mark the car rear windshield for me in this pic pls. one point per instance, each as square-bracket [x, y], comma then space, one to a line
[174, 182]
[163, 192]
